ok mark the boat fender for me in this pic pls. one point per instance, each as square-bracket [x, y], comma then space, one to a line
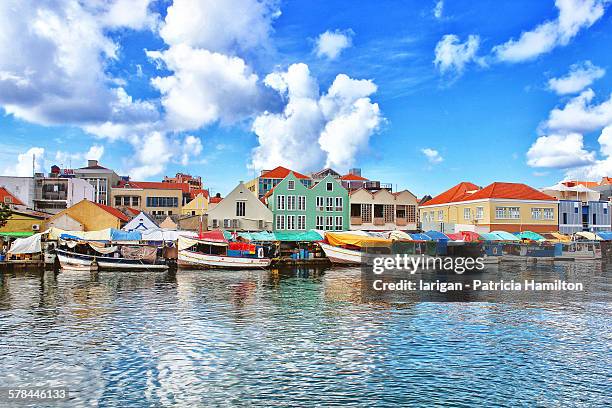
[260, 252]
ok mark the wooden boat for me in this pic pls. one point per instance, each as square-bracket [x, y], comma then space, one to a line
[214, 253]
[77, 261]
[339, 255]
[582, 250]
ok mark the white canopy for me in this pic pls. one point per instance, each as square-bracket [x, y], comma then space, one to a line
[29, 245]
[161, 234]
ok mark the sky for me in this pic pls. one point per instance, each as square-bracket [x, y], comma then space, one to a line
[420, 94]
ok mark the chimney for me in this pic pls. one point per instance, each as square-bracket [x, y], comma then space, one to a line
[92, 163]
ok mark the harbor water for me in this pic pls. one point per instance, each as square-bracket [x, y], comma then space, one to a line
[297, 337]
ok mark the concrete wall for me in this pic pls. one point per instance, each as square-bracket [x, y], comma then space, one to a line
[91, 216]
[20, 187]
[255, 211]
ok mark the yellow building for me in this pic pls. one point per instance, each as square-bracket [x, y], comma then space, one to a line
[88, 216]
[197, 206]
[24, 221]
[512, 207]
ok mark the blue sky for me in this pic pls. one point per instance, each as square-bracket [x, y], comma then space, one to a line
[419, 94]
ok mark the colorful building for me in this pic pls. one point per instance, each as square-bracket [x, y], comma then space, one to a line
[24, 221]
[511, 207]
[268, 179]
[198, 205]
[157, 198]
[193, 181]
[101, 178]
[88, 216]
[324, 206]
[240, 210]
[382, 210]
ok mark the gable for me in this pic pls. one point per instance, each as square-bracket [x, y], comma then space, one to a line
[140, 222]
[321, 187]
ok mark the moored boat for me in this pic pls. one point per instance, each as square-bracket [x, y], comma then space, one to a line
[214, 252]
[95, 256]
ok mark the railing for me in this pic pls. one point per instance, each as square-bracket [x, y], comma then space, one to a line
[62, 195]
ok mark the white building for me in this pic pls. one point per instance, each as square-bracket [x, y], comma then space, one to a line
[141, 222]
[240, 210]
[20, 187]
[382, 210]
[55, 194]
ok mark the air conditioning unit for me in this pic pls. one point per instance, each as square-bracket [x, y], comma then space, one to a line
[35, 227]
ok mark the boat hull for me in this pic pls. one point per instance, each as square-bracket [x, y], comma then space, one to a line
[69, 260]
[197, 259]
[342, 256]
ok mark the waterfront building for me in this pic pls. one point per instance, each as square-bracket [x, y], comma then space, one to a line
[382, 210]
[20, 187]
[511, 207]
[580, 207]
[54, 193]
[198, 205]
[268, 179]
[88, 216]
[10, 200]
[101, 178]
[157, 198]
[324, 206]
[353, 180]
[240, 210]
[24, 221]
[195, 183]
[141, 222]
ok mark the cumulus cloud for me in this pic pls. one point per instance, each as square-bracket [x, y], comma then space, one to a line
[331, 43]
[27, 162]
[581, 115]
[453, 55]
[600, 168]
[191, 146]
[574, 15]
[438, 9]
[559, 151]
[315, 129]
[68, 159]
[432, 155]
[579, 77]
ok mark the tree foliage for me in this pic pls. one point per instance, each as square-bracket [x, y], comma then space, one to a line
[5, 214]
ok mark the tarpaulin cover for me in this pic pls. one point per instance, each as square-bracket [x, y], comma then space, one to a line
[185, 242]
[257, 236]
[353, 239]
[118, 235]
[399, 235]
[490, 236]
[214, 236]
[102, 249]
[29, 245]
[530, 236]
[605, 235]
[556, 236]
[147, 253]
[420, 237]
[436, 235]
[298, 236]
[159, 235]
[457, 236]
[102, 235]
[242, 246]
[506, 236]
[588, 235]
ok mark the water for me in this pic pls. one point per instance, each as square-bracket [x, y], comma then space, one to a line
[297, 337]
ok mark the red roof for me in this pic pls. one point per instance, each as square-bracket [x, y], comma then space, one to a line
[214, 236]
[282, 172]
[453, 194]
[353, 177]
[132, 210]
[605, 181]
[513, 191]
[155, 185]
[588, 184]
[195, 192]
[215, 200]
[113, 211]
[5, 193]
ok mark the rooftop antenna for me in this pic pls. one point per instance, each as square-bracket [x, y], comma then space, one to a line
[33, 164]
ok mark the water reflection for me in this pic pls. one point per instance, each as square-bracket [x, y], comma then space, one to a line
[296, 337]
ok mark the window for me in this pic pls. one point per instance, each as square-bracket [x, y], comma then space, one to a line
[280, 222]
[536, 213]
[366, 212]
[338, 203]
[301, 222]
[515, 212]
[479, 213]
[467, 213]
[500, 212]
[411, 213]
[280, 202]
[400, 211]
[136, 201]
[291, 222]
[510, 213]
[329, 223]
[329, 204]
[329, 186]
[320, 204]
[339, 223]
[193, 213]
[301, 203]
[440, 215]
[378, 211]
[549, 214]
[126, 200]
[290, 203]
[240, 208]
[319, 223]
[388, 212]
[117, 200]
[291, 185]
[162, 201]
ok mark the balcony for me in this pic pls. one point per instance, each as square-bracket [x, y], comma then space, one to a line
[356, 221]
[377, 185]
[50, 195]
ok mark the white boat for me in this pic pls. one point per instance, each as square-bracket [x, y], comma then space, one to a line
[213, 253]
[84, 262]
[339, 255]
[582, 250]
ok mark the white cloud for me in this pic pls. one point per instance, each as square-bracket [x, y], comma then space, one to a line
[579, 77]
[191, 146]
[559, 151]
[220, 26]
[453, 55]
[331, 43]
[32, 160]
[433, 156]
[438, 9]
[205, 87]
[574, 15]
[67, 159]
[314, 130]
[600, 168]
[580, 114]
[134, 14]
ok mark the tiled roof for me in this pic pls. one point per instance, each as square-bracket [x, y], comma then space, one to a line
[5, 193]
[214, 200]
[132, 210]
[605, 181]
[282, 172]
[154, 185]
[195, 192]
[588, 184]
[353, 177]
[513, 191]
[113, 211]
[453, 194]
